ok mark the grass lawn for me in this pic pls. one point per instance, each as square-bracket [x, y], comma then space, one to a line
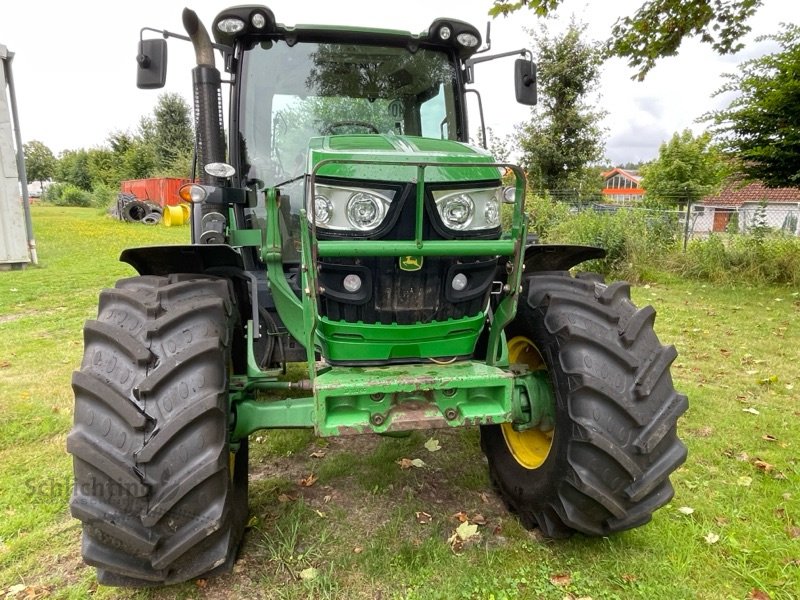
[367, 528]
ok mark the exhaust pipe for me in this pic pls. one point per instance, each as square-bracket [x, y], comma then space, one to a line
[208, 123]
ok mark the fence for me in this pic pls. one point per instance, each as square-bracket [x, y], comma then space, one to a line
[704, 220]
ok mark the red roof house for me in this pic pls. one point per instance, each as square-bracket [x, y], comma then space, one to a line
[778, 208]
[622, 186]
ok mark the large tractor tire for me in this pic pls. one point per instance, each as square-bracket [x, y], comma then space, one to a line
[604, 466]
[161, 494]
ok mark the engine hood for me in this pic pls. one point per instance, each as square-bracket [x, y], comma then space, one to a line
[404, 152]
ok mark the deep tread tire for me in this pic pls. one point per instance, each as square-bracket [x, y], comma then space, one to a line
[615, 442]
[153, 481]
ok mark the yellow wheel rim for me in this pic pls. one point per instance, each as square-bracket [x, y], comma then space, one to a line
[531, 447]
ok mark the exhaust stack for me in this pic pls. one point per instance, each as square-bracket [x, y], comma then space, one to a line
[209, 129]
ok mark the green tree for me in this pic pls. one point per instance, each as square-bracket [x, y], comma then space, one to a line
[687, 168]
[658, 27]
[564, 137]
[173, 135]
[40, 163]
[73, 168]
[761, 125]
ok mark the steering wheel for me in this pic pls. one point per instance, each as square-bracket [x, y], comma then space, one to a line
[329, 130]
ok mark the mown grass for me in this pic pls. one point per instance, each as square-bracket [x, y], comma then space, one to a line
[357, 529]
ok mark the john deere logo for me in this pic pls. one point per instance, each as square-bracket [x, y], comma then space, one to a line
[410, 263]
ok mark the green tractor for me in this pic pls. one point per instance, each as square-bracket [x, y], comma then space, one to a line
[347, 224]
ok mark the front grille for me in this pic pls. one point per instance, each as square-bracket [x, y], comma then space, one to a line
[390, 294]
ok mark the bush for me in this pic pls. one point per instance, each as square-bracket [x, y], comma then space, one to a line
[73, 196]
[53, 193]
[103, 196]
[635, 241]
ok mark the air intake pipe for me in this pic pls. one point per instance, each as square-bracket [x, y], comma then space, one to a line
[209, 130]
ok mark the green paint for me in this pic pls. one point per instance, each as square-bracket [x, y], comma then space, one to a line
[344, 341]
[289, 306]
[395, 158]
[351, 400]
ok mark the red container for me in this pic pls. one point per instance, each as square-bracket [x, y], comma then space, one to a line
[161, 190]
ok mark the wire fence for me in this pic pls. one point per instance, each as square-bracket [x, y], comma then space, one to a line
[700, 220]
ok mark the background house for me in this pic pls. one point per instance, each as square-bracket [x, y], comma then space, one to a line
[739, 208]
[622, 186]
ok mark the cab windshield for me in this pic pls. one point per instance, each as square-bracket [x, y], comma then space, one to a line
[292, 93]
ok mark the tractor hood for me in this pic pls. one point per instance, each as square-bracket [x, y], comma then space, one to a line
[397, 157]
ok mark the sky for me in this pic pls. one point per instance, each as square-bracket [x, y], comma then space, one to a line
[74, 65]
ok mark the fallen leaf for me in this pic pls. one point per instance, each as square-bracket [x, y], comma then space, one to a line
[327, 498]
[201, 583]
[560, 578]
[794, 532]
[763, 465]
[751, 410]
[478, 519]
[422, 517]
[780, 512]
[628, 578]
[17, 588]
[721, 521]
[320, 514]
[744, 481]
[309, 481]
[405, 463]
[358, 550]
[743, 457]
[769, 438]
[432, 445]
[466, 530]
[283, 498]
[461, 516]
[309, 574]
[686, 510]
[418, 463]
[4, 364]
[756, 594]
[484, 497]
[769, 380]
[711, 538]
[318, 454]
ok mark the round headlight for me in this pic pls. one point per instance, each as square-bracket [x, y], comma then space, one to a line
[457, 211]
[444, 32]
[323, 209]
[459, 282]
[492, 213]
[258, 20]
[230, 25]
[364, 211]
[352, 283]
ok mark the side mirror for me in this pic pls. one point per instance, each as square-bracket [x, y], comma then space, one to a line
[525, 81]
[151, 72]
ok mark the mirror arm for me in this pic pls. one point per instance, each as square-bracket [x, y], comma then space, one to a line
[168, 34]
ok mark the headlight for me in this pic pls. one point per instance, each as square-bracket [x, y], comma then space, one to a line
[350, 209]
[469, 210]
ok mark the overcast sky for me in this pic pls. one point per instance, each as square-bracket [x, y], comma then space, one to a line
[74, 67]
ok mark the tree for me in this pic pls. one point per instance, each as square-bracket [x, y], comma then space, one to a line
[173, 135]
[73, 167]
[687, 168]
[761, 125]
[40, 163]
[658, 27]
[564, 137]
